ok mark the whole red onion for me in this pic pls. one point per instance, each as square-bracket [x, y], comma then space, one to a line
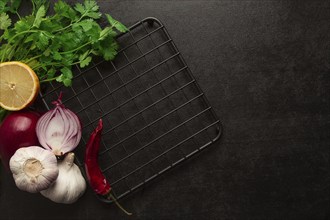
[17, 130]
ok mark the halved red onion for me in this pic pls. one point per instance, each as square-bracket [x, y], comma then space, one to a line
[59, 129]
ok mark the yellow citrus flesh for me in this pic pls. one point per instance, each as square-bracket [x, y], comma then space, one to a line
[19, 85]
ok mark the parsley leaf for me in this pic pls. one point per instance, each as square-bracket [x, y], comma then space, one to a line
[39, 15]
[85, 62]
[109, 50]
[119, 26]
[5, 21]
[88, 9]
[57, 56]
[86, 24]
[63, 9]
[43, 41]
[3, 7]
[14, 5]
[65, 77]
[24, 24]
[80, 8]
[107, 31]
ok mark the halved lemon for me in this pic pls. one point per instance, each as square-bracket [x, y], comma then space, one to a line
[19, 85]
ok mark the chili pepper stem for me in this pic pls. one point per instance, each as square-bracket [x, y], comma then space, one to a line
[110, 196]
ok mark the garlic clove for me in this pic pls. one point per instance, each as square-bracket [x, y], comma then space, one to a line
[34, 168]
[69, 186]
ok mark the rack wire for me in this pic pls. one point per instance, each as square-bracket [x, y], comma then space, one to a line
[155, 115]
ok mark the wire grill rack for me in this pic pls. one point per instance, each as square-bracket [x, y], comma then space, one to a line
[154, 113]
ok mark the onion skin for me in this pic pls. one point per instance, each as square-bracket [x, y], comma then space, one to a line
[17, 130]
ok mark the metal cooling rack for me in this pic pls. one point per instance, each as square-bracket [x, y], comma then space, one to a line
[154, 113]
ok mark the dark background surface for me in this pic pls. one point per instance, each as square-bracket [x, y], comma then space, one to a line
[264, 66]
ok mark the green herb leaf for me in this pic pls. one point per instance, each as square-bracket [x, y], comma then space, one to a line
[86, 24]
[65, 77]
[5, 21]
[47, 52]
[91, 5]
[24, 24]
[83, 56]
[3, 7]
[51, 73]
[80, 8]
[119, 26]
[43, 41]
[109, 50]
[57, 56]
[40, 14]
[63, 9]
[85, 62]
[33, 63]
[88, 9]
[14, 5]
[95, 15]
[107, 31]
[9, 6]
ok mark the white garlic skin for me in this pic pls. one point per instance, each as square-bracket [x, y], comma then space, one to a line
[69, 186]
[34, 168]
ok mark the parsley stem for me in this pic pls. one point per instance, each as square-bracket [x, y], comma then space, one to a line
[12, 51]
[76, 49]
[26, 54]
[68, 26]
[63, 28]
[33, 58]
[18, 15]
[45, 65]
[47, 80]
[16, 35]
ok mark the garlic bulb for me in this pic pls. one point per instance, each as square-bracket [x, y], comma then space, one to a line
[69, 185]
[34, 168]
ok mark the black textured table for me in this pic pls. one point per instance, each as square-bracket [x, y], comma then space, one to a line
[264, 67]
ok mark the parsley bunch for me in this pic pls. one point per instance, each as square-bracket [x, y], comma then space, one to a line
[51, 44]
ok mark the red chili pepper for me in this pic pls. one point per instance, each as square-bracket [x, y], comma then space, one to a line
[96, 179]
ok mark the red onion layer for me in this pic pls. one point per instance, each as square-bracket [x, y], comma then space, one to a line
[59, 129]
